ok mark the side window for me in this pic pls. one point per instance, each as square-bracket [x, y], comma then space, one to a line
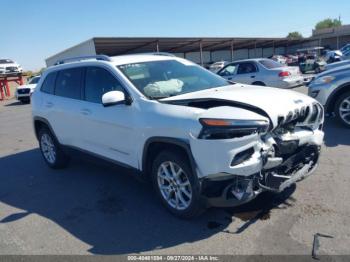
[228, 70]
[246, 68]
[49, 83]
[99, 81]
[68, 83]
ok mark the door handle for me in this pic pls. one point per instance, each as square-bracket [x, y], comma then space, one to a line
[49, 104]
[252, 77]
[85, 112]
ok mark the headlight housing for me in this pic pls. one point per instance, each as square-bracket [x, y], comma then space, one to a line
[231, 128]
[323, 80]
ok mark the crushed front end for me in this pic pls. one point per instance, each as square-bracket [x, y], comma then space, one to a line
[234, 167]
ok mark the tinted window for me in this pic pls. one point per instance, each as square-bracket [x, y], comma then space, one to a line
[34, 80]
[6, 61]
[269, 64]
[49, 83]
[246, 68]
[68, 83]
[99, 81]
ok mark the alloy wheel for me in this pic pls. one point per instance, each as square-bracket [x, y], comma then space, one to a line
[344, 110]
[48, 148]
[174, 185]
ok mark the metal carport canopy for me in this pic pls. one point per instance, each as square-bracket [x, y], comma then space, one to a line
[125, 45]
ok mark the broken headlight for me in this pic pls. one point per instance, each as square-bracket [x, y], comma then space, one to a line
[230, 128]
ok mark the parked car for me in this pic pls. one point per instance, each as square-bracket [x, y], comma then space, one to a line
[333, 56]
[332, 89]
[200, 139]
[279, 58]
[337, 64]
[9, 67]
[217, 66]
[345, 48]
[312, 63]
[24, 92]
[263, 72]
[292, 60]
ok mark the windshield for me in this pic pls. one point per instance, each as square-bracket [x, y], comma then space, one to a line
[34, 80]
[160, 79]
[270, 64]
[6, 61]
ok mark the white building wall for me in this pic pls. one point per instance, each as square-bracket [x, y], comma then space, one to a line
[83, 49]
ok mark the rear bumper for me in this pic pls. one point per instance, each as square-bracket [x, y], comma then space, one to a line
[292, 82]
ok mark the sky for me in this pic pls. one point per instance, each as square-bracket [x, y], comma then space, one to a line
[33, 30]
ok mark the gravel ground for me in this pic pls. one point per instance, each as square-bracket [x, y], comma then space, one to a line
[95, 208]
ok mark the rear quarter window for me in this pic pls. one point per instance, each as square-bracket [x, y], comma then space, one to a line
[49, 83]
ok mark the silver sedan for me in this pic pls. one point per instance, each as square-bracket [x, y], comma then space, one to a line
[263, 72]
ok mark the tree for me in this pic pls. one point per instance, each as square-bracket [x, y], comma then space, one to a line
[295, 35]
[328, 23]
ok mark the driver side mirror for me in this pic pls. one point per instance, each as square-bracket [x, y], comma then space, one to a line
[113, 98]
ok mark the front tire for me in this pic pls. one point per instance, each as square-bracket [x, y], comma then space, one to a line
[342, 109]
[176, 185]
[51, 150]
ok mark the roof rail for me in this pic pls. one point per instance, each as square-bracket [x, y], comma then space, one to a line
[80, 58]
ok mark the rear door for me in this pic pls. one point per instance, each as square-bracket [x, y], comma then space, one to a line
[65, 106]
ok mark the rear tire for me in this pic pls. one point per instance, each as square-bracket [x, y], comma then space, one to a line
[176, 185]
[342, 109]
[51, 150]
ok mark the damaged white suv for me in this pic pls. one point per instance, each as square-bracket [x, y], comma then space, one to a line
[203, 141]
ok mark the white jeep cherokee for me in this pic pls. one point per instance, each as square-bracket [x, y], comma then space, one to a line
[202, 140]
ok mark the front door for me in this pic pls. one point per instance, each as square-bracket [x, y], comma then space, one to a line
[107, 131]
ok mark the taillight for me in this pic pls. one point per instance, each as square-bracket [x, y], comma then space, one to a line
[284, 74]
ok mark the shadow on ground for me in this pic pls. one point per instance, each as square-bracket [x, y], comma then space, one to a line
[16, 103]
[335, 133]
[110, 210]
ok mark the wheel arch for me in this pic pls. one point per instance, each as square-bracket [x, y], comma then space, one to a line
[335, 95]
[154, 145]
[259, 83]
[40, 122]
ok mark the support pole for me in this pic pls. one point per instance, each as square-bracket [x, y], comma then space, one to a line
[2, 92]
[232, 51]
[7, 88]
[273, 48]
[338, 42]
[157, 46]
[200, 53]
[255, 54]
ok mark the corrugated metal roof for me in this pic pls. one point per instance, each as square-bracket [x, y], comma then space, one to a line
[127, 45]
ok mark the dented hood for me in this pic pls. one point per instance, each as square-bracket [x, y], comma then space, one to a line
[273, 101]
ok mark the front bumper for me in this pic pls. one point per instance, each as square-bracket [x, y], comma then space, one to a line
[23, 93]
[228, 185]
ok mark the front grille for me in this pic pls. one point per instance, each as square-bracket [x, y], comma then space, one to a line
[23, 91]
[11, 68]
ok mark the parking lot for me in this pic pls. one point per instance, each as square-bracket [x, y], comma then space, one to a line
[95, 208]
